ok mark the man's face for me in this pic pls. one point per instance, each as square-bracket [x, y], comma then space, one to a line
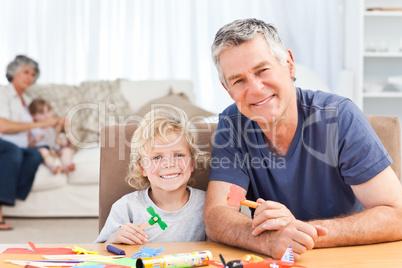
[261, 87]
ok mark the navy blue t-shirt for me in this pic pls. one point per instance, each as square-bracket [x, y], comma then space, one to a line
[334, 147]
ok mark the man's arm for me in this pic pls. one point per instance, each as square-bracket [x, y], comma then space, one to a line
[380, 222]
[226, 224]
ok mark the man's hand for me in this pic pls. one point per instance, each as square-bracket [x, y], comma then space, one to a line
[129, 234]
[270, 215]
[300, 235]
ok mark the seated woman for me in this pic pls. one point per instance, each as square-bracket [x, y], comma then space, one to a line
[18, 163]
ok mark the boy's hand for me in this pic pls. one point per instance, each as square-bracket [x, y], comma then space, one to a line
[130, 234]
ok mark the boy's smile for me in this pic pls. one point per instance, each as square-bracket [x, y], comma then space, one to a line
[168, 165]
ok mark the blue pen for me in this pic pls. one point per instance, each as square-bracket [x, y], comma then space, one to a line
[115, 250]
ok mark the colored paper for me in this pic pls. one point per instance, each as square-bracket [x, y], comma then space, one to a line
[40, 251]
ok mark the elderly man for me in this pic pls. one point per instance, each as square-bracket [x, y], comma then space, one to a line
[321, 175]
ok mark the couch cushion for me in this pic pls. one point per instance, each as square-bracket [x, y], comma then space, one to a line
[181, 101]
[140, 92]
[45, 180]
[86, 167]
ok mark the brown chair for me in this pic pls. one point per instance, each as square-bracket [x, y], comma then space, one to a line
[115, 156]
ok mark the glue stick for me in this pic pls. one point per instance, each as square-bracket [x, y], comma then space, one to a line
[176, 260]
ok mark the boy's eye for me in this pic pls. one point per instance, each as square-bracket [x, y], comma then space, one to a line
[157, 157]
[178, 155]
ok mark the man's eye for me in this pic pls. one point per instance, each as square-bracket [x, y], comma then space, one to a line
[238, 81]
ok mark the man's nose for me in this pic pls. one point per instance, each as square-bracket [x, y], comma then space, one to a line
[255, 85]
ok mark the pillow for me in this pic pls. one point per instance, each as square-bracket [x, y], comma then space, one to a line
[62, 98]
[140, 92]
[102, 104]
[88, 107]
[179, 100]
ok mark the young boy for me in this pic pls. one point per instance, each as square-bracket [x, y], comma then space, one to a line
[51, 142]
[163, 156]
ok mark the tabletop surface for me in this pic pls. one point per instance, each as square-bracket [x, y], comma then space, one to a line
[377, 255]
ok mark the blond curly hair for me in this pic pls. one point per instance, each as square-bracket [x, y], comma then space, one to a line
[155, 126]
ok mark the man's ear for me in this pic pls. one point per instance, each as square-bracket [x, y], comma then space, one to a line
[291, 63]
[224, 87]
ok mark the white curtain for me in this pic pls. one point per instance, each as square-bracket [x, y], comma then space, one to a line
[78, 40]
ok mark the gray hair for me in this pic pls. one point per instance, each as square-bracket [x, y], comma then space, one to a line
[241, 31]
[19, 61]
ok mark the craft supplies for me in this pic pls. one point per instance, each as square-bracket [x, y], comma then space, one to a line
[192, 259]
[115, 250]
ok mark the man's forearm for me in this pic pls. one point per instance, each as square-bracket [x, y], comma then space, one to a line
[233, 228]
[378, 224]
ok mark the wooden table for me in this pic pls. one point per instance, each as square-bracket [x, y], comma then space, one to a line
[377, 255]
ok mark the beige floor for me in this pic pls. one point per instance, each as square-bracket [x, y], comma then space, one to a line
[53, 230]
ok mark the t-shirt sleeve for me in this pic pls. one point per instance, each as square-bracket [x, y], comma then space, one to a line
[362, 155]
[227, 163]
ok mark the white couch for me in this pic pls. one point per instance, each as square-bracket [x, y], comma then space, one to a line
[89, 107]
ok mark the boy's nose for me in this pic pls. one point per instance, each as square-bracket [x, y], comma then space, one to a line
[168, 162]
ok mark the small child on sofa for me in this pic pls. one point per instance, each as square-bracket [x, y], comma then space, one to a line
[163, 156]
[51, 142]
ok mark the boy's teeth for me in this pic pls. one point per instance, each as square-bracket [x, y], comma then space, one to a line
[170, 176]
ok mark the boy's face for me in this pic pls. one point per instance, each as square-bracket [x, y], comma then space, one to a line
[168, 165]
[42, 116]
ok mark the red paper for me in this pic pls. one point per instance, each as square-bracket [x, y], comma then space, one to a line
[41, 251]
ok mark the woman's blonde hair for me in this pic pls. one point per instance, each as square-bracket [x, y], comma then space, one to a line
[156, 125]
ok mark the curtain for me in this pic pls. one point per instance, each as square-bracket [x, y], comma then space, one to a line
[79, 40]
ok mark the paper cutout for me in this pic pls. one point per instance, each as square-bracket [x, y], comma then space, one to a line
[155, 218]
[41, 251]
[39, 263]
[236, 198]
[147, 252]
[84, 251]
[287, 260]
[122, 262]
